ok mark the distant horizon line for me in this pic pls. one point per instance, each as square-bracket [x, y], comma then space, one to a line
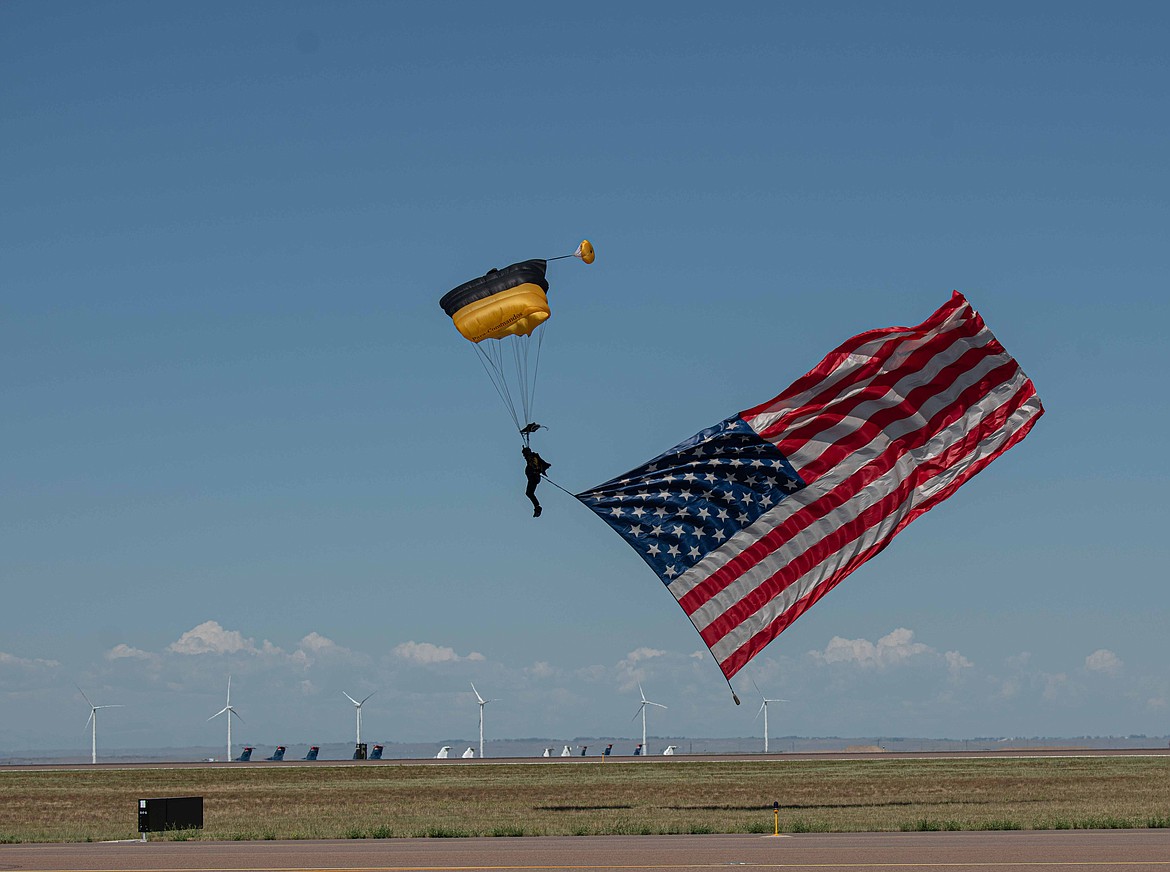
[202, 749]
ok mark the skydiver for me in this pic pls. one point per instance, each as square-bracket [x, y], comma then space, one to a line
[534, 467]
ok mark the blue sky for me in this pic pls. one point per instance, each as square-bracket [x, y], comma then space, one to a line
[239, 435]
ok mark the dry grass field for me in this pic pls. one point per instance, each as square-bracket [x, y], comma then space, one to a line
[317, 802]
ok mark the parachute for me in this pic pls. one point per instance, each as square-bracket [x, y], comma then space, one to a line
[500, 313]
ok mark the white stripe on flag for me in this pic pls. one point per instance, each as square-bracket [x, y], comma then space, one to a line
[838, 559]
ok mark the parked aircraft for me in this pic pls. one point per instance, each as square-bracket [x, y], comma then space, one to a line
[278, 754]
[312, 755]
[444, 752]
[376, 754]
[245, 755]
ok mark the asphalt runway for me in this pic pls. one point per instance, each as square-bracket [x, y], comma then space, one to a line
[1020, 851]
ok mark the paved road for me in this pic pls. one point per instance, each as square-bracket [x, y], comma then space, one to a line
[1071, 850]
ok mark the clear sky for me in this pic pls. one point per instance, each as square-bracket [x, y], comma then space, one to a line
[238, 435]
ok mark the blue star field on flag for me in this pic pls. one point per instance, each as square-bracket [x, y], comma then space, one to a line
[689, 500]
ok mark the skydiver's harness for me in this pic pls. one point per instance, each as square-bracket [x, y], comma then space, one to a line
[526, 435]
[528, 429]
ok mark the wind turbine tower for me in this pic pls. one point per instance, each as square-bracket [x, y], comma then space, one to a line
[642, 711]
[482, 703]
[229, 711]
[358, 706]
[764, 709]
[93, 710]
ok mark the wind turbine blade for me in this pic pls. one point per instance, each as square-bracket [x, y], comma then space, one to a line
[236, 713]
[638, 712]
[92, 715]
[476, 692]
[641, 692]
[218, 713]
[368, 695]
[757, 717]
[351, 699]
[660, 705]
[83, 696]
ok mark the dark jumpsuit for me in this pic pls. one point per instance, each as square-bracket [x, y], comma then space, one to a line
[534, 467]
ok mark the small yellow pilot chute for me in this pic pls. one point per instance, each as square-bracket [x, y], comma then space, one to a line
[499, 313]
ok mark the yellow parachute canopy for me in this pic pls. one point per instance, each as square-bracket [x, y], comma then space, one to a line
[508, 305]
[512, 301]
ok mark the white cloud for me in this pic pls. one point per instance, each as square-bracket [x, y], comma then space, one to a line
[427, 653]
[632, 671]
[639, 654]
[541, 669]
[126, 652]
[316, 642]
[1057, 687]
[1010, 688]
[956, 663]
[1019, 661]
[890, 650]
[210, 638]
[25, 663]
[1105, 661]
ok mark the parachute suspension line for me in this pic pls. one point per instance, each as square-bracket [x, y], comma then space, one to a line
[492, 367]
[535, 372]
[520, 368]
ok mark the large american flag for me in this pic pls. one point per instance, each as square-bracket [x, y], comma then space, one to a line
[750, 522]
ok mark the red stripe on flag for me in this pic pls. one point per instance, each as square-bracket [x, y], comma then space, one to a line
[732, 664]
[833, 361]
[840, 495]
[854, 529]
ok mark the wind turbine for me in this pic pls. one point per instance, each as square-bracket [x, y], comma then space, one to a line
[482, 703]
[358, 705]
[764, 709]
[229, 711]
[93, 710]
[642, 711]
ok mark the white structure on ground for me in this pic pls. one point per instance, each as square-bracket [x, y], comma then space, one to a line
[358, 706]
[93, 710]
[642, 711]
[482, 703]
[764, 709]
[229, 711]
